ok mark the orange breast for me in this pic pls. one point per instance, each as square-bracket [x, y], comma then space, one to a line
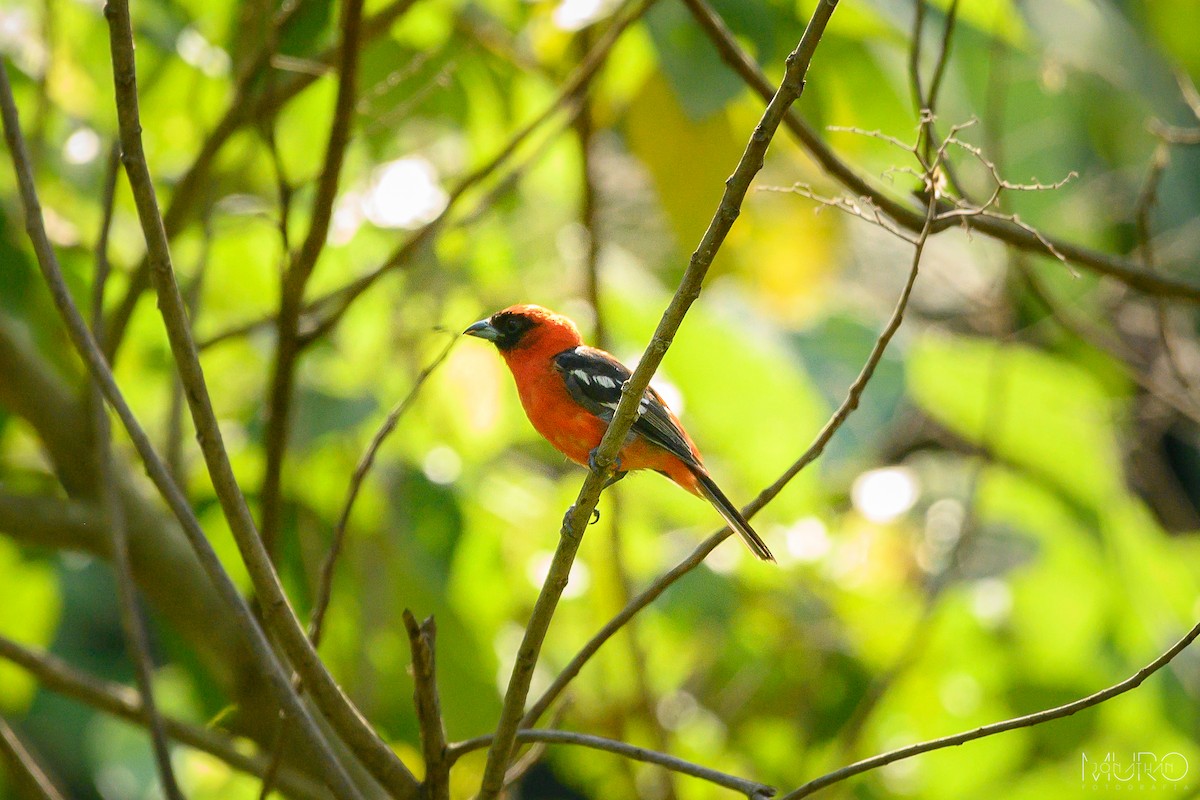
[572, 429]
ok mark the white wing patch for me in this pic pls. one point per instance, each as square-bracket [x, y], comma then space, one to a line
[643, 406]
[605, 381]
[583, 376]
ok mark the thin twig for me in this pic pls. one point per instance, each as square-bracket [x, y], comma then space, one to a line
[697, 556]
[325, 584]
[589, 217]
[914, 54]
[113, 513]
[422, 639]
[1147, 199]
[175, 437]
[278, 614]
[88, 348]
[24, 765]
[1058, 712]
[243, 109]
[58, 676]
[339, 301]
[939, 69]
[575, 522]
[418, 240]
[295, 281]
[751, 789]
[1003, 228]
[1082, 327]
[1173, 134]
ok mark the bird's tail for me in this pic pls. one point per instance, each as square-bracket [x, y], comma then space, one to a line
[711, 492]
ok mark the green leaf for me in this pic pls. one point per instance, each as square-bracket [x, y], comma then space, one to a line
[1035, 410]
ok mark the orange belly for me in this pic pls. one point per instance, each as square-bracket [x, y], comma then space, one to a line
[575, 432]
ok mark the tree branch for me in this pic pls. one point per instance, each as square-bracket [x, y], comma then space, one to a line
[912, 219]
[325, 585]
[109, 492]
[697, 556]
[112, 698]
[296, 277]
[752, 789]
[1058, 712]
[25, 768]
[278, 614]
[422, 639]
[689, 289]
[86, 345]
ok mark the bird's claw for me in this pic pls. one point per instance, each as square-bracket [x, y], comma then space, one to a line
[594, 467]
[566, 523]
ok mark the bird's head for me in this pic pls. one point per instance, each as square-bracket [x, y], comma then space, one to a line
[525, 326]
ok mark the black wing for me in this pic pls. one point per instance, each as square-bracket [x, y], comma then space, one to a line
[594, 379]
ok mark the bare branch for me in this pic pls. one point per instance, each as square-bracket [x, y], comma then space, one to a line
[1004, 228]
[697, 556]
[132, 624]
[589, 213]
[87, 347]
[1058, 712]
[751, 789]
[689, 289]
[112, 698]
[25, 766]
[325, 585]
[278, 613]
[1147, 199]
[422, 640]
[914, 54]
[1097, 337]
[296, 277]
[939, 70]
[1171, 134]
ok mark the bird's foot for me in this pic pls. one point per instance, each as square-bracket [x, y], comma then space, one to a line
[615, 466]
[567, 517]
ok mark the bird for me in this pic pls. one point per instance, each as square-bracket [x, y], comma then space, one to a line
[570, 392]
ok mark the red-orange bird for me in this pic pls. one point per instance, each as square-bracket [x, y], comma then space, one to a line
[570, 391]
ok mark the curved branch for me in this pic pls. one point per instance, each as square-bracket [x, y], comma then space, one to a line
[1058, 712]
[278, 614]
[325, 584]
[697, 556]
[25, 766]
[112, 698]
[912, 219]
[575, 522]
[752, 789]
[87, 347]
[296, 278]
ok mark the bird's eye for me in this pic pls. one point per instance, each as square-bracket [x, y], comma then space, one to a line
[507, 324]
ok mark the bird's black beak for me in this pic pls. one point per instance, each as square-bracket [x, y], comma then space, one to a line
[484, 330]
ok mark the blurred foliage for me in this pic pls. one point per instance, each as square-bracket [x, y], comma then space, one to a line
[1013, 555]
